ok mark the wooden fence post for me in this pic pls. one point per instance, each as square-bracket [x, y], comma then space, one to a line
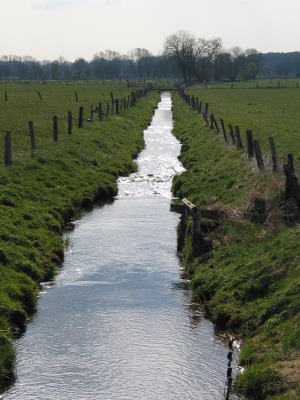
[292, 187]
[5, 95]
[40, 96]
[76, 96]
[70, 122]
[92, 113]
[55, 130]
[197, 237]
[100, 112]
[7, 149]
[133, 96]
[200, 107]
[182, 229]
[193, 102]
[250, 145]
[224, 130]
[80, 117]
[238, 138]
[31, 134]
[215, 124]
[211, 118]
[107, 109]
[291, 162]
[112, 102]
[258, 155]
[205, 119]
[206, 109]
[273, 152]
[233, 140]
[117, 106]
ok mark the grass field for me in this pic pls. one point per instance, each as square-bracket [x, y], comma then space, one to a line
[249, 283]
[269, 112]
[260, 83]
[39, 194]
[24, 105]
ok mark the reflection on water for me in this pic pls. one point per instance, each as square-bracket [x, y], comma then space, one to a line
[117, 323]
[158, 163]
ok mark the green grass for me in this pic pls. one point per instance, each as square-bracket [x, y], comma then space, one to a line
[249, 283]
[24, 105]
[259, 83]
[267, 112]
[39, 194]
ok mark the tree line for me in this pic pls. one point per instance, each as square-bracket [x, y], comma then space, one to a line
[106, 65]
[184, 58]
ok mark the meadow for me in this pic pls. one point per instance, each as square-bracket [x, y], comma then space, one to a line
[249, 282]
[268, 112]
[24, 105]
[259, 83]
[41, 192]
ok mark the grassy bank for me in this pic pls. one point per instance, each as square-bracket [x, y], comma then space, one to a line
[268, 112]
[39, 194]
[249, 282]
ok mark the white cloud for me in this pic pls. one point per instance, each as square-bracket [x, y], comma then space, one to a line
[53, 4]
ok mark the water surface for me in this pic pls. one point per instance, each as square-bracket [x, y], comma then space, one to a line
[116, 323]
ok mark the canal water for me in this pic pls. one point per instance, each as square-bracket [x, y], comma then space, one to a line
[117, 323]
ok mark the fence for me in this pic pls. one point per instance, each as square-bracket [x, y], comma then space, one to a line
[114, 106]
[253, 148]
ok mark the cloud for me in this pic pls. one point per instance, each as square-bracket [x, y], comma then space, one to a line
[53, 5]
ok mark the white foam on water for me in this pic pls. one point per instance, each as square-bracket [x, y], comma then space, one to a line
[158, 162]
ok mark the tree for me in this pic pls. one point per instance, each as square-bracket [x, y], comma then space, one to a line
[138, 54]
[249, 71]
[207, 52]
[193, 56]
[181, 47]
[80, 67]
[55, 70]
[67, 72]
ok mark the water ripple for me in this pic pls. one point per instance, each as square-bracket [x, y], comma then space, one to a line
[118, 323]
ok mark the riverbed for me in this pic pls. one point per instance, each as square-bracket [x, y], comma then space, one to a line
[118, 322]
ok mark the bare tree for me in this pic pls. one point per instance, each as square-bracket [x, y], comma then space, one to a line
[207, 52]
[192, 55]
[181, 47]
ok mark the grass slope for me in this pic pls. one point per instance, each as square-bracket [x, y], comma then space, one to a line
[39, 194]
[268, 112]
[249, 283]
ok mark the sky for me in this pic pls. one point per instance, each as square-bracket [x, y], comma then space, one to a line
[48, 29]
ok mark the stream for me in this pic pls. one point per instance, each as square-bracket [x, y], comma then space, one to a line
[118, 322]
